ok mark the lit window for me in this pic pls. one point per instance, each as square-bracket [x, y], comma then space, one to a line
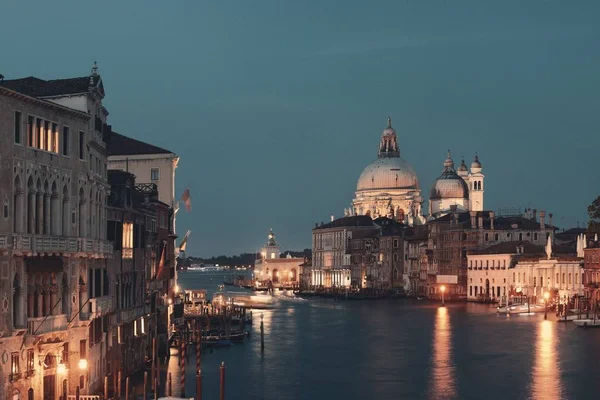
[14, 364]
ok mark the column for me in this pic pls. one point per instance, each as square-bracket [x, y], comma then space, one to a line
[47, 214]
[40, 213]
[31, 212]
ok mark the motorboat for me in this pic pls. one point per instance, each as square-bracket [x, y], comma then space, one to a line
[521, 308]
[587, 323]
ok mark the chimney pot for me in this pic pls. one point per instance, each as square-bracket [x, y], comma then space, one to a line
[492, 215]
[542, 219]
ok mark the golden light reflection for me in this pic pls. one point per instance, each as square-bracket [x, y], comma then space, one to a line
[443, 374]
[545, 383]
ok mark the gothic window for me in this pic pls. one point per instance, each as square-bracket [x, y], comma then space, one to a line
[487, 236]
[395, 257]
[5, 208]
[496, 237]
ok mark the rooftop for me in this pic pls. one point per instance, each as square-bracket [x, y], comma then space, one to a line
[36, 87]
[121, 145]
[353, 221]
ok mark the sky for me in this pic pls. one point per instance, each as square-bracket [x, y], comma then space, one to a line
[275, 107]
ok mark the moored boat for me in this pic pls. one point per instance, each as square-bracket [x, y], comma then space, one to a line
[587, 323]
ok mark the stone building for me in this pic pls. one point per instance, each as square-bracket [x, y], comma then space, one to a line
[331, 263]
[52, 233]
[521, 268]
[592, 263]
[377, 255]
[153, 165]
[454, 235]
[271, 269]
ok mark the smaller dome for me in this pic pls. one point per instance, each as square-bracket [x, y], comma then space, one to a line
[462, 167]
[476, 163]
[449, 186]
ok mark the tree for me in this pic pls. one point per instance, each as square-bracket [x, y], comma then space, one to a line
[594, 214]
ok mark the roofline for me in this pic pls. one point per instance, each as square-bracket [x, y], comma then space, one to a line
[44, 103]
[143, 156]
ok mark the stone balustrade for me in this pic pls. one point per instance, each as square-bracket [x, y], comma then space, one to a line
[29, 243]
[41, 325]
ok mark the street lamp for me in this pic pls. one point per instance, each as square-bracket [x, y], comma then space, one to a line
[443, 289]
[546, 296]
[61, 369]
[83, 364]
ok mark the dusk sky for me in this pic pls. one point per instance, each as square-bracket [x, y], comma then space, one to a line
[275, 107]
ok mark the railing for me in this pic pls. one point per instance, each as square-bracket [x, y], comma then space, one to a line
[3, 242]
[41, 325]
[127, 253]
[84, 397]
[43, 243]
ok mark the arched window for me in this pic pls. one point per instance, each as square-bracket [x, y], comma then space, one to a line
[65, 211]
[395, 257]
[563, 278]
[520, 236]
[30, 394]
[570, 278]
[395, 273]
[576, 279]
[534, 281]
[487, 236]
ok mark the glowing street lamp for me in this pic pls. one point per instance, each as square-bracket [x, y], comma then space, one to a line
[546, 296]
[61, 369]
[443, 289]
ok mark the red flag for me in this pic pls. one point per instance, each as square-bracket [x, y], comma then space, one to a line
[161, 262]
[186, 197]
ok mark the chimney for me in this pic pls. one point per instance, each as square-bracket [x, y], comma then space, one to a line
[473, 215]
[542, 218]
[492, 220]
[550, 219]
[480, 222]
[535, 214]
[455, 218]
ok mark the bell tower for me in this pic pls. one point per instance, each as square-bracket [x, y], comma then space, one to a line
[271, 250]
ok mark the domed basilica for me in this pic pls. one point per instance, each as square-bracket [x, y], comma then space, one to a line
[389, 187]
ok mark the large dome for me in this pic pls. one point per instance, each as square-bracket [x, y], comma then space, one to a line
[388, 173]
[449, 186]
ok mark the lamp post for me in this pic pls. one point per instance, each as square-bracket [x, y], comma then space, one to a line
[546, 296]
[443, 289]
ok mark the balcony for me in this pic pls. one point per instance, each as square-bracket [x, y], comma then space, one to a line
[100, 306]
[29, 243]
[41, 325]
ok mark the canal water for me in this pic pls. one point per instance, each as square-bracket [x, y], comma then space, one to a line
[398, 349]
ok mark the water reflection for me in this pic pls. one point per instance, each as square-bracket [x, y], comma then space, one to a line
[442, 377]
[546, 371]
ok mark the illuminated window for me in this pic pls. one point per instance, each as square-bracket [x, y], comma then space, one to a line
[14, 365]
[127, 238]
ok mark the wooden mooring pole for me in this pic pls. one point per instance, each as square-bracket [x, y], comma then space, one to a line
[105, 388]
[199, 385]
[169, 386]
[145, 391]
[222, 395]
[182, 362]
[262, 334]
[127, 388]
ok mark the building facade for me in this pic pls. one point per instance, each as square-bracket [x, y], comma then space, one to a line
[523, 269]
[52, 234]
[272, 270]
